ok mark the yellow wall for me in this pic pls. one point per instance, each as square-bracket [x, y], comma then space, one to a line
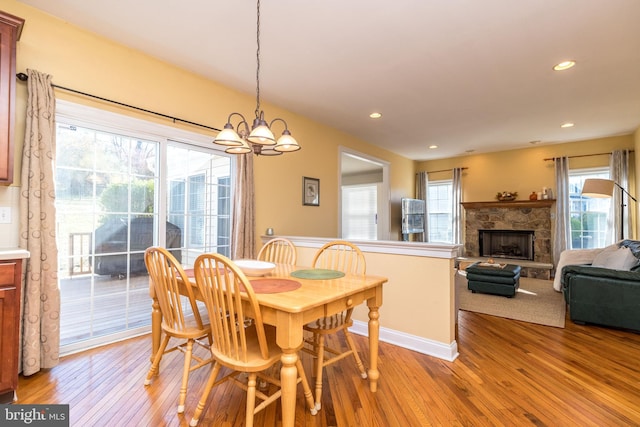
[421, 305]
[526, 170]
[523, 170]
[279, 191]
[89, 63]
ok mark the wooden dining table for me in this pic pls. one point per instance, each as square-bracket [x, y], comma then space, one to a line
[291, 309]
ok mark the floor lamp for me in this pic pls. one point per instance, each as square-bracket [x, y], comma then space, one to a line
[604, 188]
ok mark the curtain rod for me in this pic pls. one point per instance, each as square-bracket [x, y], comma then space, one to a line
[23, 77]
[582, 155]
[445, 170]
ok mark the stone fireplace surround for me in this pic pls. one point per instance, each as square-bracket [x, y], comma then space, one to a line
[514, 215]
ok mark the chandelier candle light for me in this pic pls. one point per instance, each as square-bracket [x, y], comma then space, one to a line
[260, 139]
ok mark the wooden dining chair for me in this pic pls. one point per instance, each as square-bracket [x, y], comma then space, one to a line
[346, 257]
[243, 346]
[279, 250]
[167, 275]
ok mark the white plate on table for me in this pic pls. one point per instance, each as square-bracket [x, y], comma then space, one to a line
[252, 267]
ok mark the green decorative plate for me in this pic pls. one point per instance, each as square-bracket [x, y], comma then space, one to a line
[317, 273]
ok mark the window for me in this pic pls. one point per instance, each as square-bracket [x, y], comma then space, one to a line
[440, 211]
[589, 216]
[359, 212]
[123, 185]
[200, 202]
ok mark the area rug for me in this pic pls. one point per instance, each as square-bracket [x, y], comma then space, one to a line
[535, 302]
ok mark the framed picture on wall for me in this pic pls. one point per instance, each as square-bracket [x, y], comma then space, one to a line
[310, 191]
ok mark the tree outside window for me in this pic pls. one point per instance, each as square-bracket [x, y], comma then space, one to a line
[589, 216]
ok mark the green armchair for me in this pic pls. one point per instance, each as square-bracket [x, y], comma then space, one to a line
[604, 296]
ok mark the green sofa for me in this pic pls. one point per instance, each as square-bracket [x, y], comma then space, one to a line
[604, 296]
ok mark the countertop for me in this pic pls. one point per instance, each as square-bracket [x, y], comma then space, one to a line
[13, 253]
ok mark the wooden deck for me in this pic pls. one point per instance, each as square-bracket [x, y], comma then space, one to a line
[93, 306]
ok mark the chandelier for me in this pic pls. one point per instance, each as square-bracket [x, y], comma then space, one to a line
[259, 139]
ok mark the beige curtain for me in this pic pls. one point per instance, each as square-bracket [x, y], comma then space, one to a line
[243, 221]
[562, 238]
[40, 339]
[422, 186]
[620, 203]
[458, 222]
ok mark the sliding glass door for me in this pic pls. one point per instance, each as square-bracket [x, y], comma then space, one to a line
[118, 193]
[199, 200]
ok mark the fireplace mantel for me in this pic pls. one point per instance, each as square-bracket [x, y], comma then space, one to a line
[515, 204]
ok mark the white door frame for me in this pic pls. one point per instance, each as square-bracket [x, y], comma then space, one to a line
[384, 226]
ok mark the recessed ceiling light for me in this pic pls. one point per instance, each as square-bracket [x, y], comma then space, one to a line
[375, 115]
[433, 146]
[567, 125]
[564, 65]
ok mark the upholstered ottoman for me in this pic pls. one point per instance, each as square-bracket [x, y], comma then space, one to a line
[501, 280]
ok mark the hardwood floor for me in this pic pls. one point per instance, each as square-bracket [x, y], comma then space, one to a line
[509, 373]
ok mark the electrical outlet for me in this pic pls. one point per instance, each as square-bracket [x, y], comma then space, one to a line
[5, 215]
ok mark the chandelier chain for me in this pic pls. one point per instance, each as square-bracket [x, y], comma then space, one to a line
[258, 62]
[258, 138]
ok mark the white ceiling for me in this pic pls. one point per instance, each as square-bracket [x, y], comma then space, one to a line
[461, 74]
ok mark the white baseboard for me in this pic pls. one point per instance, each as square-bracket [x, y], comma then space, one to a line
[448, 352]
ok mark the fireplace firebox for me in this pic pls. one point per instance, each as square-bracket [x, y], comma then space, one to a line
[514, 244]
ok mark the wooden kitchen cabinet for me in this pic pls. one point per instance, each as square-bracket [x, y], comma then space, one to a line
[10, 285]
[10, 29]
